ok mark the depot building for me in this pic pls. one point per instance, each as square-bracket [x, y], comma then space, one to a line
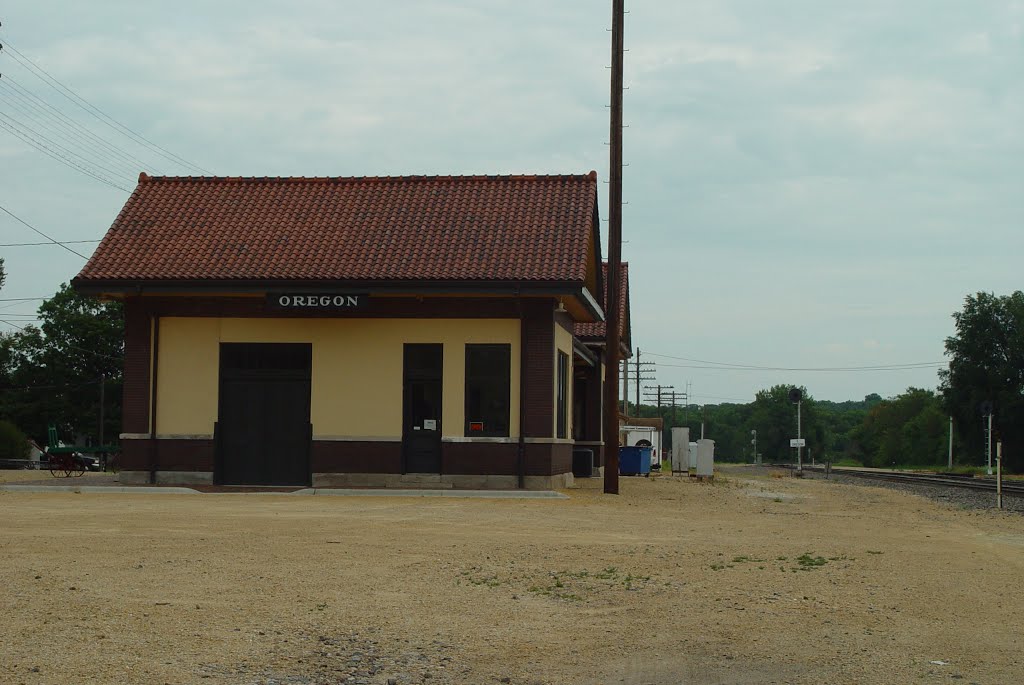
[378, 332]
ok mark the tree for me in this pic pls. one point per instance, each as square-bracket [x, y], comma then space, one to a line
[909, 429]
[52, 373]
[13, 443]
[774, 418]
[987, 365]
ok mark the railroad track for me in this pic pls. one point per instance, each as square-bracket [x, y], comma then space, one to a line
[1012, 487]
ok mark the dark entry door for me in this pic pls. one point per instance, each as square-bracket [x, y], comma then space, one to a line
[421, 415]
[263, 427]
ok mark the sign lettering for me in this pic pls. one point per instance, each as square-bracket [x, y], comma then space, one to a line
[317, 301]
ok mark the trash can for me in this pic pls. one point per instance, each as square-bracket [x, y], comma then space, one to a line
[582, 463]
[634, 461]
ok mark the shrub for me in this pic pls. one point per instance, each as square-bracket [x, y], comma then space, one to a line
[13, 443]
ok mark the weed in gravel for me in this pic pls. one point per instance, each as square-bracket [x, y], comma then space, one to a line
[808, 561]
[875, 551]
[742, 559]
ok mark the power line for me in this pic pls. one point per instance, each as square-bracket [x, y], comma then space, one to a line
[59, 157]
[18, 89]
[55, 242]
[750, 367]
[716, 397]
[96, 166]
[62, 242]
[74, 138]
[85, 105]
[73, 347]
[22, 299]
[836, 369]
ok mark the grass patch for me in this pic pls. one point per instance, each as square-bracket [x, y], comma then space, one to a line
[808, 561]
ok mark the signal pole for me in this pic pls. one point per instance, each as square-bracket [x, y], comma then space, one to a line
[988, 443]
[950, 443]
[612, 341]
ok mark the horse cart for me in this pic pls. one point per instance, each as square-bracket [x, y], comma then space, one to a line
[71, 460]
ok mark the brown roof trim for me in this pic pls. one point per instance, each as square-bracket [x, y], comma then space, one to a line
[199, 287]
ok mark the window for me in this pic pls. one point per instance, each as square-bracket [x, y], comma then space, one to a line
[488, 374]
[562, 398]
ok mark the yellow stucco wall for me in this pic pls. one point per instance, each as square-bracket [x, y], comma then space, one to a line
[563, 343]
[357, 369]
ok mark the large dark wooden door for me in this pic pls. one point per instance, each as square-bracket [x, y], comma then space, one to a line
[263, 428]
[421, 415]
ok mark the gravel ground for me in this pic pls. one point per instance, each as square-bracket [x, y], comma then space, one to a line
[954, 497]
[754, 578]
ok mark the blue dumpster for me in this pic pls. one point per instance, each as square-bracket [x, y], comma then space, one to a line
[634, 461]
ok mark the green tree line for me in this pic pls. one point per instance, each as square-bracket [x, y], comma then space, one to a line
[986, 370]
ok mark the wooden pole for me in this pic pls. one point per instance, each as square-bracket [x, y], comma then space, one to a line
[611, 423]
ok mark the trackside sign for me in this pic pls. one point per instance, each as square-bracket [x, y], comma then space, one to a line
[317, 301]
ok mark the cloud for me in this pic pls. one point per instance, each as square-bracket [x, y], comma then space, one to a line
[974, 44]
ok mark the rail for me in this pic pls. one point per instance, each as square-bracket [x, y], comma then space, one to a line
[1010, 487]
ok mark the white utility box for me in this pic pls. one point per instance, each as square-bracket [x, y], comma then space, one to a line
[705, 458]
[680, 449]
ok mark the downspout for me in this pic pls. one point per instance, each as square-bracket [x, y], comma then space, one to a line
[521, 458]
[154, 458]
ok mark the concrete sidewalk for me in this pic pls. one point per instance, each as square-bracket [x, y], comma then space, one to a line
[341, 492]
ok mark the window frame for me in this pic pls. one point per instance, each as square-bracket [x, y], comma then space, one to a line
[505, 379]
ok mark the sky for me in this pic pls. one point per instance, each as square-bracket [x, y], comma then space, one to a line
[811, 184]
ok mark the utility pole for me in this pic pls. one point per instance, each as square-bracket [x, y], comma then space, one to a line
[655, 394]
[753, 442]
[673, 401]
[799, 449]
[642, 372]
[612, 341]
[796, 396]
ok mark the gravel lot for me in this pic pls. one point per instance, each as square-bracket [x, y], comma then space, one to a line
[753, 579]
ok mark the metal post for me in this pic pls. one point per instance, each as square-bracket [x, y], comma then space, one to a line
[638, 381]
[625, 387]
[988, 444]
[103, 388]
[612, 342]
[999, 475]
[799, 450]
[950, 443]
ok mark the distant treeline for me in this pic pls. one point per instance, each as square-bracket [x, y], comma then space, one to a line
[909, 429]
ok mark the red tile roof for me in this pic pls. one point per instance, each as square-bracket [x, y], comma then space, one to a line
[417, 228]
[597, 330]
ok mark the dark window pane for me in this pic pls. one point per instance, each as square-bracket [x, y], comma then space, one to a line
[265, 356]
[488, 378]
[562, 403]
[423, 360]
